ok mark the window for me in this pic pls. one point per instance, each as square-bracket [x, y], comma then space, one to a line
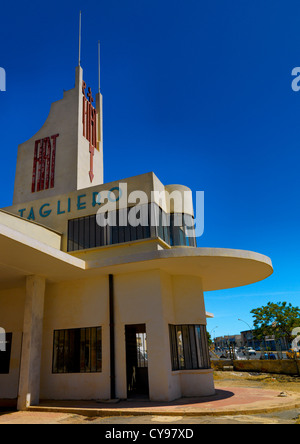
[142, 354]
[182, 230]
[5, 342]
[85, 232]
[77, 351]
[189, 347]
[175, 229]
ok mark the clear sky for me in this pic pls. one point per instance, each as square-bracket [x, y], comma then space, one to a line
[198, 92]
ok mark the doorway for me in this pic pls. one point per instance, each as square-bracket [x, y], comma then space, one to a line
[137, 361]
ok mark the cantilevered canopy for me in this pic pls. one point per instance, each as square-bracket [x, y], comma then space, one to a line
[218, 268]
[22, 255]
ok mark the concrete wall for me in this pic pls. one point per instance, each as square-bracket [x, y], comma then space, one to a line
[189, 308]
[157, 299]
[284, 367]
[138, 301]
[76, 304]
[153, 298]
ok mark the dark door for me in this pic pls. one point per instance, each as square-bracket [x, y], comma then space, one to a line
[136, 361]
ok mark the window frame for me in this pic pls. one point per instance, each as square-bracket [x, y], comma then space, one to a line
[76, 349]
[189, 347]
[84, 233]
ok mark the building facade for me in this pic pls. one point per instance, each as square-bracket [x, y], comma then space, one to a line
[102, 285]
[226, 341]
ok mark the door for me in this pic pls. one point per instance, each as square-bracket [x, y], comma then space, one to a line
[136, 361]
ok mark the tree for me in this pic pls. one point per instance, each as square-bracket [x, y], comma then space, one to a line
[209, 339]
[276, 319]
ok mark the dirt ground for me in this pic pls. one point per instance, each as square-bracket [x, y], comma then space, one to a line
[258, 380]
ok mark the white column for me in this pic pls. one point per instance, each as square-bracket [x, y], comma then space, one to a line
[29, 384]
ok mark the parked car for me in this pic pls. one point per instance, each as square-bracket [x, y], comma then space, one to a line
[251, 352]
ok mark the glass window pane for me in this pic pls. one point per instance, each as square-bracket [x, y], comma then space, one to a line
[81, 232]
[179, 339]
[202, 345]
[92, 231]
[71, 235]
[55, 352]
[142, 356]
[86, 242]
[154, 220]
[193, 346]
[66, 351]
[93, 349]
[99, 349]
[61, 345]
[189, 347]
[113, 221]
[75, 234]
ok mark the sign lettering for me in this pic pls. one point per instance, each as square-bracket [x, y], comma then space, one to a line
[89, 121]
[43, 173]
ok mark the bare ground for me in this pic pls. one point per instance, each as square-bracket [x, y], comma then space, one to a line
[258, 380]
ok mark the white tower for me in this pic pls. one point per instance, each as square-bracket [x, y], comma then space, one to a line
[66, 154]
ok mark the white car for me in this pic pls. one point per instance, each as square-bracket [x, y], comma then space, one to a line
[252, 352]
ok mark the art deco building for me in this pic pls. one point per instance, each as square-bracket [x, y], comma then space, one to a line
[94, 308]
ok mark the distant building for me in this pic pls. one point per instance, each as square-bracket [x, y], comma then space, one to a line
[225, 341]
[248, 339]
[267, 343]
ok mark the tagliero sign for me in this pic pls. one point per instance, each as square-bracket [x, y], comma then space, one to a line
[2, 79]
[106, 201]
[2, 340]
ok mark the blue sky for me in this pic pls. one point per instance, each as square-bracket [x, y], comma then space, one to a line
[198, 92]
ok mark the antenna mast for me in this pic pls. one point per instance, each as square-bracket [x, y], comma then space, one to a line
[99, 65]
[79, 53]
